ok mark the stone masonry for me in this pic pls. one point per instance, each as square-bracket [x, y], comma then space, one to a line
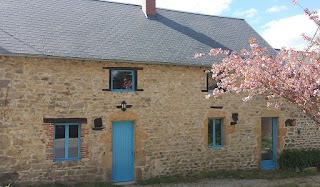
[170, 117]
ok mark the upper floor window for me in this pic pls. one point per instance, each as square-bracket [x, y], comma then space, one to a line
[215, 133]
[123, 79]
[66, 141]
[211, 83]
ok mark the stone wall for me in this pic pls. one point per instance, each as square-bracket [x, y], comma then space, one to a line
[170, 117]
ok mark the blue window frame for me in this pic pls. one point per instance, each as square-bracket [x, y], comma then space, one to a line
[215, 132]
[123, 80]
[66, 141]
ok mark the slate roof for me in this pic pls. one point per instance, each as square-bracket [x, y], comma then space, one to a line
[90, 29]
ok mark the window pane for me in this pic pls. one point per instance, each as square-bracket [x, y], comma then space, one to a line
[73, 141]
[59, 141]
[122, 80]
[218, 132]
[266, 139]
[210, 132]
[212, 84]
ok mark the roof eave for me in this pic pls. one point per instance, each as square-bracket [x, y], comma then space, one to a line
[104, 60]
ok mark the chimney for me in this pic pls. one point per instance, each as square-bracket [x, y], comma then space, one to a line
[149, 7]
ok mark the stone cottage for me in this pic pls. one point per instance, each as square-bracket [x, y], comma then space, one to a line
[94, 90]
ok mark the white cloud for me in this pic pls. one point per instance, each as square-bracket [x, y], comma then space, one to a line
[287, 32]
[277, 9]
[210, 7]
[250, 13]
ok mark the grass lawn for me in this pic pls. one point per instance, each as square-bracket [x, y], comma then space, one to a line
[237, 174]
[84, 184]
[192, 178]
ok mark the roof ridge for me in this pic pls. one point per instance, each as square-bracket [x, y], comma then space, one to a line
[166, 9]
[200, 14]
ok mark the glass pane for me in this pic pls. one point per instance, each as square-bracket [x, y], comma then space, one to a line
[210, 132]
[73, 141]
[218, 132]
[59, 141]
[266, 139]
[212, 84]
[122, 80]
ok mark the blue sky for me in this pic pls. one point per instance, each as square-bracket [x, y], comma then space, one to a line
[279, 21]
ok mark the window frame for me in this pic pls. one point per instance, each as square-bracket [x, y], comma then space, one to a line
[133, 80]
[207, 83]
[66, 143]
[214, 133]
[210, 74]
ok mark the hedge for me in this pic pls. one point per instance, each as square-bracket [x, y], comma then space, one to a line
[303, 158]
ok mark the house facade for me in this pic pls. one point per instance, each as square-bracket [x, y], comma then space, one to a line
[71, 118]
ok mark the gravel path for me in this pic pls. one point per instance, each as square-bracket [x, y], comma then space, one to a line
[311, 181]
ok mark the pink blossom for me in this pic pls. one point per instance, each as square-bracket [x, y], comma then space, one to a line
[291, 76]
[198, 55]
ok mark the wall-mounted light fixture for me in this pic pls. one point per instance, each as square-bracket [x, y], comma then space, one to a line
[123, 106]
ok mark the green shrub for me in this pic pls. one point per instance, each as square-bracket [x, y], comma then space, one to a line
[292, 159]
[5, 186]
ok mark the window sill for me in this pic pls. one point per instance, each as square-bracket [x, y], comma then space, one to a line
[65, 159]
[206, 90]
[215, 147]
[122, 90]
[212, 90]
[136, 90]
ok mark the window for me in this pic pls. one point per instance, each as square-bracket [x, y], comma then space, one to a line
[66, 141]
[211, 83]
[215, 133]
[123, 80]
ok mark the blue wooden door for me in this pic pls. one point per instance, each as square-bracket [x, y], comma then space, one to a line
[122, 151]
[269, 143]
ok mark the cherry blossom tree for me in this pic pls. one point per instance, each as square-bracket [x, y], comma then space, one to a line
[290, 77]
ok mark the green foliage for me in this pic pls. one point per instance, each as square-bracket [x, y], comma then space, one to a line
[287, 185]
[266, 142]
[292, 159]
